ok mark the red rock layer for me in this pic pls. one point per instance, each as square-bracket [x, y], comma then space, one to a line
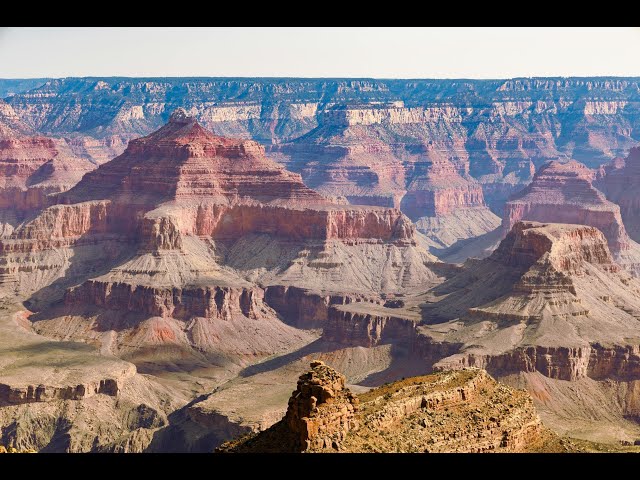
[563, 363]
[438, 189]
[563, 193]
[225, 188]
[621, 184]
[367, 329]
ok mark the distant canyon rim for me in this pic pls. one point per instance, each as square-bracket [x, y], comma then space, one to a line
[174, 252]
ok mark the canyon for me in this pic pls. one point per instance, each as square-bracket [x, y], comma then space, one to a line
[175, 252]
[440, 150]
[163, 258]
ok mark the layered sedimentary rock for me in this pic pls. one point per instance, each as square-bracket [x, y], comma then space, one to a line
[321, 410]
[32, 170]
[554, 301]
[360, 138]
[501, 126]
[163, 246]
[368, 325]
[563, 193]
[620, 182]
[357, 153]
[463, 411]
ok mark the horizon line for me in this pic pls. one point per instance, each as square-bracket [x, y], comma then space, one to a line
[284, 77]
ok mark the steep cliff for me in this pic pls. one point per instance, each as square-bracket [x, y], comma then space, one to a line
[620, 183]
[169, 246]
[563, 192]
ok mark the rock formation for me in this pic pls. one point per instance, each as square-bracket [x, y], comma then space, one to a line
[548, 305]
[464, 411]
[32, 170]
[361, 138]
[197, 261]
[620, 182]
[447, 207]
[563, 193]
[164, 245]
[321, 411]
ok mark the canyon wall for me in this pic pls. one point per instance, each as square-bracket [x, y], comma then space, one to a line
[564, 193]
[620, 181]
[371, 142]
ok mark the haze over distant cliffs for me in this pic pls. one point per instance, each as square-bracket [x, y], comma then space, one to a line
[380, 142]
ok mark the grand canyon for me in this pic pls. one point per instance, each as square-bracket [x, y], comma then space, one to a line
[428, 265]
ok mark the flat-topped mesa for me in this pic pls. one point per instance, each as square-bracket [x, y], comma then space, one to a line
[563, 193]
[621, 185]
[564, 247]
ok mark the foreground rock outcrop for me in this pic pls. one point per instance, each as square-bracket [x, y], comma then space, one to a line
[464, 411]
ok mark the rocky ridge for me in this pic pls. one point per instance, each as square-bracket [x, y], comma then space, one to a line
[464, 411]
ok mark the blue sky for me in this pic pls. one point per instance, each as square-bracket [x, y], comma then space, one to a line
[319, 52]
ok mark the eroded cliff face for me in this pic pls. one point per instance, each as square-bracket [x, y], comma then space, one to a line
[563, 192]
[361, 139]
[368, 327]
[465, 411]
[165, 246]
[620, 184]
